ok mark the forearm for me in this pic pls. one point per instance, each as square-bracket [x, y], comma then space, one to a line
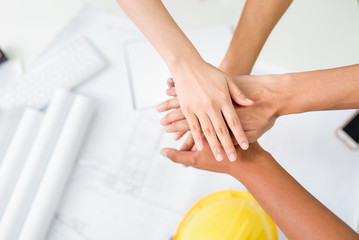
[331, 89]
[297, 213]
[152, 18]
[258, 19]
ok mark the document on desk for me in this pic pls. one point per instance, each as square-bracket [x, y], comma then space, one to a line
[139, 189]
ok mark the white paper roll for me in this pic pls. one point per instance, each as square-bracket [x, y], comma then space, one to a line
[17, 153]
[60, 165]
[9, 118]
[34, 167]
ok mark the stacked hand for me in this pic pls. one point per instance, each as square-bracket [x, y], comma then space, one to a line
[256, 119]
[206, 103]
[205, 160]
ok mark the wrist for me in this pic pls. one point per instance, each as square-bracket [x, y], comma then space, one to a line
[269, 92]
[184, 60]
[248, 162]
[282, 85]
[296, 94]
[235, 67]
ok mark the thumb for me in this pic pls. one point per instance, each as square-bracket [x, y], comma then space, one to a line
[237, 95]
[184, 157]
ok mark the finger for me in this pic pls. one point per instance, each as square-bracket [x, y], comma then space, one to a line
[172, 116]
[170, 82]
[171, 92]
[224, 136]
[234, 124]
[188, 143]
[178, 135]
[184, 157]
[234, 140]
[178, 126]
[237, 95]
[169, 104]
[196, 130]
[211, 136]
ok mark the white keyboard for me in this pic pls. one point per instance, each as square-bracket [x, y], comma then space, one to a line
[67, 69]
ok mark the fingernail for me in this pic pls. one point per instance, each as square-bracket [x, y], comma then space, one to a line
[168, 127]
[163, 121]
[199, 147]
[163, 153]
[232, 157]
[219, 157]
[170, 80]
[160, 107]
[249, 101]
[244, 145]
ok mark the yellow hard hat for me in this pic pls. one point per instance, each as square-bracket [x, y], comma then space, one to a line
[226, 215]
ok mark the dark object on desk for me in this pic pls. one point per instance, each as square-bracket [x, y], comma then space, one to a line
[2, 57]
[352, 128]
[349, 133]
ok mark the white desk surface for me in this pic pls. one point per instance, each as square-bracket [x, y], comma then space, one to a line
[304, 144]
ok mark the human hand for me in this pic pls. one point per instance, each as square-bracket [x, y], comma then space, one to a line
[205, 160]
[255, 119]
[205, 96]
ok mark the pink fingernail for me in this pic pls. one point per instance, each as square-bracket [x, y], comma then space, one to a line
[244, 145]
[160, 107]
[219, 157]
[163, 153]
[168, 127]
[170, 80]
[163, 121]
[249, 101]
[232, 157]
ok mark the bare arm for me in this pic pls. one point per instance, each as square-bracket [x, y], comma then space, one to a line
[277, 95]
[209, 113]
[258, 19]
[296, 212]
[330, 89]
[153, 19]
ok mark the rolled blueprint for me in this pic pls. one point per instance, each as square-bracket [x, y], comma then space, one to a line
[60, 165]
[9, 118]
[35, 165]
[17, 152]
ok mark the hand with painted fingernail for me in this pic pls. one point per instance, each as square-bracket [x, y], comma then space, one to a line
[206, 104]
[255, 119]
